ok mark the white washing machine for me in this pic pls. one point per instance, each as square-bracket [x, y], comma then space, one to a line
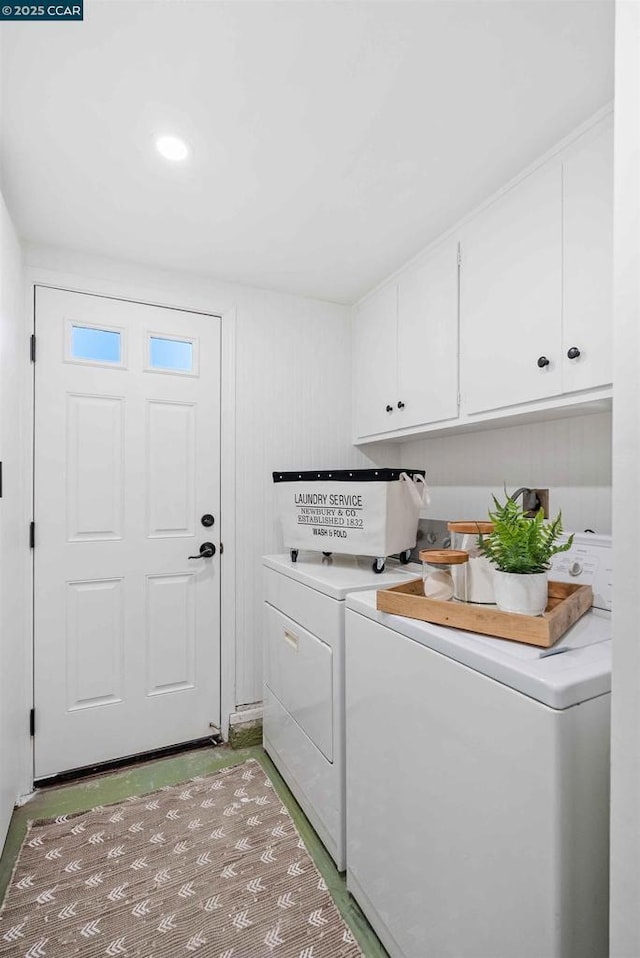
[303, 714]
[478, 781]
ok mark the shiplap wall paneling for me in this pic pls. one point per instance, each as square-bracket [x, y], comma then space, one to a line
[15, 682]
[571, 457]
[292, 412]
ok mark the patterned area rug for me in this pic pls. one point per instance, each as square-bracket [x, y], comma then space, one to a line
[214, 868]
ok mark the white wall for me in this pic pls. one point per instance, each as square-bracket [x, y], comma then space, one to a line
[291, 406]
[570, 457]
[625, 731]
[15, 652]
[293, 411]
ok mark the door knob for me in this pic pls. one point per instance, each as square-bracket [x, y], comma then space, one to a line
[542, 362]
[207, 549]
[573, 353]
[389, 408]
[400, 405]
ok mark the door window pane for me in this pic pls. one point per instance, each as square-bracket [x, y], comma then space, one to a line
[101, 345]
[174, 354]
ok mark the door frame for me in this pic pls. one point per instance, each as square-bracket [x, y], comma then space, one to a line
[151, 294]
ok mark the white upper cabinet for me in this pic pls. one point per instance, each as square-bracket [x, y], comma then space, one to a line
[511, 297]
[536, 283]
[374, 344]
[405, 349]
[588, 262]
[428, 339]
[521, 324]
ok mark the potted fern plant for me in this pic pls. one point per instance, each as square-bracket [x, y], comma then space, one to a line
[520, 550]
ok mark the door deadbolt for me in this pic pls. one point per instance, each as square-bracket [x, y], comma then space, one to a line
[207, 519]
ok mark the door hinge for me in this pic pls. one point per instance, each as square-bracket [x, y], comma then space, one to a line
[32, 722]
[459, 255]
[459, 400]
[221, 544]
[32, 535]
[32, 348]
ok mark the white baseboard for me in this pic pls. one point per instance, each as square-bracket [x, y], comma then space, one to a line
[249, 713]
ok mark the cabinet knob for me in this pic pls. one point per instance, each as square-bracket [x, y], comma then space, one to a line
[573, 353]
[400, 405]
[389, 408]
[542, 362]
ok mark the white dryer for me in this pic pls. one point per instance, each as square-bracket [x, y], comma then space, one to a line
[303, 717]
[478, 781]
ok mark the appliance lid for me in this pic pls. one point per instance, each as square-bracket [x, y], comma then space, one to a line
[580, 670]
[337, 575]
[576, 668]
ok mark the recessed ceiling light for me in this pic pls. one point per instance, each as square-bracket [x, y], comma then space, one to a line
[172, 148]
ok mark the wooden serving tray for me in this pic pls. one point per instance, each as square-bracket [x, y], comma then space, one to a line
[567, 602]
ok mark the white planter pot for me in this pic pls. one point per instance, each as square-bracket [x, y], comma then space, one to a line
[523, 594]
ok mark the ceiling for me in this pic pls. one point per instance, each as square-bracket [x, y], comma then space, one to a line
[330, 139]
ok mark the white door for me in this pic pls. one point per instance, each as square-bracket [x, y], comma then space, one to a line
[127, 464]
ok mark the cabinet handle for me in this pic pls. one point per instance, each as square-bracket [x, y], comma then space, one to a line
[543, 361]
[389, 408]
[573, 353]
[400, 405]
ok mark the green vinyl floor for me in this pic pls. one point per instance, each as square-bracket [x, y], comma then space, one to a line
[149, 776]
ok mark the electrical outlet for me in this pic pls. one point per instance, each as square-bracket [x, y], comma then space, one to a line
[543, 499]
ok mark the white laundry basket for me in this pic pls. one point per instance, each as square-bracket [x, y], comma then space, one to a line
[370, 512]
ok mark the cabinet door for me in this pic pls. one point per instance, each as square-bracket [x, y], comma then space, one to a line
[428, 340]
[511, 297]
[374, 363]
[588, 263]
